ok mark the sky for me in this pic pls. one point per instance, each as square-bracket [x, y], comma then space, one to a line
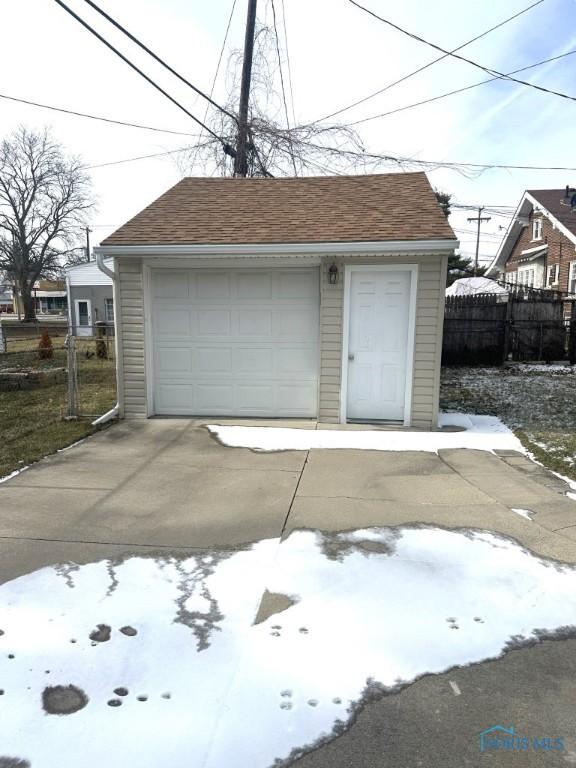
[338, 54]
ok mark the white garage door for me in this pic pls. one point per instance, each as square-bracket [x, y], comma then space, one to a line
[235, 342]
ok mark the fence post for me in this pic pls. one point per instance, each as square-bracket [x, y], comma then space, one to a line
[101, 345]
[2, 340]
[507, 327]
[572, 338]
[72, 377]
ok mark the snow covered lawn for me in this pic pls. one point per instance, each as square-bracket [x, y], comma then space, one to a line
[537, 401]
[147, 662]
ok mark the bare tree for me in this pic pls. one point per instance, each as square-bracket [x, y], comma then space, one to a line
[44, 197]
[274, 146]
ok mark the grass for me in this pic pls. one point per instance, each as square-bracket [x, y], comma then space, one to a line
[537, 402]
[31, 421]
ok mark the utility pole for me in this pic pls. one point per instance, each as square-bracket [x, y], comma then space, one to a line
[241, 159]
[479, 219]
[88, 230]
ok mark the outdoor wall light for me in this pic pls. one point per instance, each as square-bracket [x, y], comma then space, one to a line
[333, 274]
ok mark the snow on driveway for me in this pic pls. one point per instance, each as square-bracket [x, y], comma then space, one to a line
[151, 661]
[483, 433]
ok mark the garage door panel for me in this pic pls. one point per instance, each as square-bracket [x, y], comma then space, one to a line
[292, 360]
[171, 285]
[250, 361]
[242, 342]
[296, 398]
[213, 397]
[175, 398]
[254, 286]
[296, 286]
[214, 322]
[212, 286]
[255, 322]
[213, 360]
[172, 322]
[255, 397]
[170, 360]
[295, 324]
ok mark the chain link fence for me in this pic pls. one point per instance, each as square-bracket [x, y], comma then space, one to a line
[78, 373]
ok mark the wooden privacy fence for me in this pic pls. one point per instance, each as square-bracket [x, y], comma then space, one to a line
[524, 325]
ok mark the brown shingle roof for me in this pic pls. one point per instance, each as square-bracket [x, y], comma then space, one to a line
[555, 201]
[394, 206]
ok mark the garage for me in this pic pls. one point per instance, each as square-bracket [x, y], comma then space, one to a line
[235, 342]
[313, 297]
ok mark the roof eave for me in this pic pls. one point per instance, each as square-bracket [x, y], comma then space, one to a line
[279, 249]
[510, 237]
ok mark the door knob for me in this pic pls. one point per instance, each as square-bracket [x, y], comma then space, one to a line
[350, 356]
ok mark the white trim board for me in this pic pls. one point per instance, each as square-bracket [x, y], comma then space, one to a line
[278, 249]
[348, 269]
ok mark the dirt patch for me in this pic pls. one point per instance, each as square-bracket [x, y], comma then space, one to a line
[338, 546]
[101, 634]
[129, 631]
[63, 700]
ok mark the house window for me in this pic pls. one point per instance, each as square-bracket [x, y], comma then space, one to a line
[551, 275]
[572, 278]
[526, 277]
[537, 229]
[109, 305]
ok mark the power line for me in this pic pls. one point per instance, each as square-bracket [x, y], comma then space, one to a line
[216, 74]
[157, 58]
[226, 147]
[429, 64]
[93, 117]
[283, 88]
[288, 63]
[432, 164]
[461, 90]
[140, 157]
[461, 58]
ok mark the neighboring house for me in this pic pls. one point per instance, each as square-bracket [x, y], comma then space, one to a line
[90, 298]
[474, 286]
[539, 248]
[290, 297]
[49, 298]
[6, 299]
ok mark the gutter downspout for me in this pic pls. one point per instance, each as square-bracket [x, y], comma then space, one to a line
[113, 413]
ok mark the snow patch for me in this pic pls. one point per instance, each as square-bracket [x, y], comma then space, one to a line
[372, 619]
[523, 513]
[483, 433]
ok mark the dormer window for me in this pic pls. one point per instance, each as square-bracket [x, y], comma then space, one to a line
[537, 229]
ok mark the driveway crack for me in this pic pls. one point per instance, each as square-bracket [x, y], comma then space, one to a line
[294, 494]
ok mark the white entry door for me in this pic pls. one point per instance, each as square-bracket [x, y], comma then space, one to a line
[236, 342]
[83, 317]
[378, 344]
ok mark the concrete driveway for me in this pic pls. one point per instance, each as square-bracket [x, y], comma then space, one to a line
[167, 485]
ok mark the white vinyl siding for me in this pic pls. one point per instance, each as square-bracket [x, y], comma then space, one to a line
[132, 370]
[88, 274]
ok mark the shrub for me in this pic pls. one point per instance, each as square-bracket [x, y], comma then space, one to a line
[45, 350]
